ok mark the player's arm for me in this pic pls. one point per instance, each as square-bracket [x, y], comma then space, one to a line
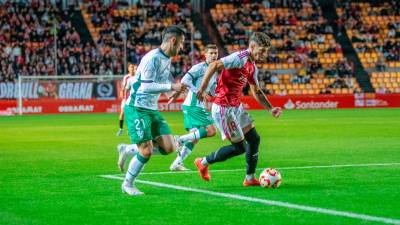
[188, 81]
[150, 86]
[211, 90]
[263, 100]
[212, 68]
[122, 92]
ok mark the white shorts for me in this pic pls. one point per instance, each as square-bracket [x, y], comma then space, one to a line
[230, 121]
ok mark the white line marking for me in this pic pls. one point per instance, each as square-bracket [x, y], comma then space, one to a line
[267, 202]
[280, 168]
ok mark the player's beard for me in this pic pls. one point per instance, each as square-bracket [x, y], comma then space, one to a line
[175, 51]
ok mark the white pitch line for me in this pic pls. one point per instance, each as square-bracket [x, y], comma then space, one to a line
[268, 202]
[280, 168]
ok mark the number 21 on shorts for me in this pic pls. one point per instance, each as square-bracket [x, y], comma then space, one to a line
[139, 122]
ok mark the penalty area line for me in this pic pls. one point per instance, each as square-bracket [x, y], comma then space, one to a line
[288, 205]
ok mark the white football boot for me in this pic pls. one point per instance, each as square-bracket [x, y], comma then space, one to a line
[122, 155]
[119, 132]
[177, 165]
[130, 190]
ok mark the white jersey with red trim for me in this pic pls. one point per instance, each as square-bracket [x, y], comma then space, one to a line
[126, 85]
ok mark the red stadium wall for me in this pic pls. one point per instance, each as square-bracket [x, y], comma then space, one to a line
[52, 106]
[316, 102]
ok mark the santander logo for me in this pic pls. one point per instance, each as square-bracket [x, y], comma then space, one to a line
[289, 104]
[311, 104]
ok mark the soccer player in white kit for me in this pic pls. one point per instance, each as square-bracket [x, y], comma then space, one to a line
[197, 119]
[125, 94]
[146, 126]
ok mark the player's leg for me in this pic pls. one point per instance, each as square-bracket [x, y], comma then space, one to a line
[135, 167]
[124, 151]
[226, 121]
[198, 133]
[201, 125]
[164, 144]
[182, 153]
[165, 141]
[187, 149]
[121, 119]
[196, 117]
[253, 141]
[139, 130]
[194, 135]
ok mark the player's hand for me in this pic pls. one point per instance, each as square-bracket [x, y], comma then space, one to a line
[173, 97]
[200, 94]
[178, 87]
[209, 97]
[276, 112]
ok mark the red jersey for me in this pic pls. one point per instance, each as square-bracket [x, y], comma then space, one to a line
[238, 71]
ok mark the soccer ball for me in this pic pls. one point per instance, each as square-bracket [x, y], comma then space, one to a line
[270, 178]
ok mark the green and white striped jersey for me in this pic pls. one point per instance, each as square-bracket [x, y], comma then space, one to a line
[193, 79]
[151, 79]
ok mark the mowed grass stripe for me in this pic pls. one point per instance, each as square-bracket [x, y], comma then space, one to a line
[363, 217]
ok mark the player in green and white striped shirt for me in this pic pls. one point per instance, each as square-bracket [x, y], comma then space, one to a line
[197, 119]
[146, 126]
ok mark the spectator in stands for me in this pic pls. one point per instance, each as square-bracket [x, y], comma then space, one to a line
[274, 78]
[382, 90]
[339, 83]
[380, 65]
[326, 91]
[282, 92]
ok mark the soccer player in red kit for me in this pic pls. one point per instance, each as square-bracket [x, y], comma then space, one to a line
[233, 122]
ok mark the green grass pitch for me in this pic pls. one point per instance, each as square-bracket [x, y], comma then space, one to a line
[50, 167]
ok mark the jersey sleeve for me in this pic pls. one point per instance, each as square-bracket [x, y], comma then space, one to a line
[147, 80]
[235, 60]
[212, 85]
[188, 81]
[190, 78]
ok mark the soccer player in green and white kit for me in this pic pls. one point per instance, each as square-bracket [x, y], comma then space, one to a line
[196, 118]
[143, 119]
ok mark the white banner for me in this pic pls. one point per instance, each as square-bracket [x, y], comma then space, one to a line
[9, 90]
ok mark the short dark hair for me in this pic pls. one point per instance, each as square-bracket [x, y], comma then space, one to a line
[210, 46]
[260, 39]
[172, 31]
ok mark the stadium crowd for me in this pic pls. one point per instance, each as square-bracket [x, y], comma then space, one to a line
[143, 28]
[380, 37]
[36, 37]
[28, 31]
[22, 27]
